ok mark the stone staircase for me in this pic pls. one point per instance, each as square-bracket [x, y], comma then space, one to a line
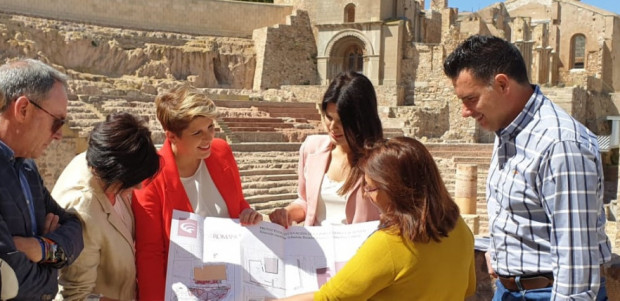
[258, 121]
[82, 116]
[268, 173]
[392, 126]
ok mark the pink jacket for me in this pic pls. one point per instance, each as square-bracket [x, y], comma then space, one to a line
[314, 156]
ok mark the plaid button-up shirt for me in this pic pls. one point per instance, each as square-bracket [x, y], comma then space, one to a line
[545, 200]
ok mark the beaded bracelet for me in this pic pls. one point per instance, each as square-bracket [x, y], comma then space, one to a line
[43, 247]
[50, 250]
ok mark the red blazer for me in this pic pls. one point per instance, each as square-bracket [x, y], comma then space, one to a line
[153, 204]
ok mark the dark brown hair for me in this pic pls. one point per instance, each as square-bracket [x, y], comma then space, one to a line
[420, 207]
[356, 103]
[120, 150]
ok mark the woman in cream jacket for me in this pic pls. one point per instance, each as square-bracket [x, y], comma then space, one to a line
[98, 185]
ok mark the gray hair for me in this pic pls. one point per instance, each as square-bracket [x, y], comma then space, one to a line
[27, 77]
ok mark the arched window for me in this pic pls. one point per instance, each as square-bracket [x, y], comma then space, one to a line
[349, 13]
[578, 51]
[353, 59]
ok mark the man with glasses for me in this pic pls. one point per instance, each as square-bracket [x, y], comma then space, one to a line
[37, 237]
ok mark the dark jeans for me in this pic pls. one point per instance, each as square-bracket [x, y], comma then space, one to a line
[541, 294]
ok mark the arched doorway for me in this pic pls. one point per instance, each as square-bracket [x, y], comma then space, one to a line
[348, 54]
[353, 59]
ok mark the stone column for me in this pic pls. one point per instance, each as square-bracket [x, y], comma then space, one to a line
[465, 188]
[526, 51]
[322, 65]
[553, 68]
[371, 69]
[466, 193]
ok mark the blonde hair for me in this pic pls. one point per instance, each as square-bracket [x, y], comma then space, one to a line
[177, 107]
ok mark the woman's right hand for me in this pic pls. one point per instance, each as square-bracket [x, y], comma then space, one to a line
[280, 216]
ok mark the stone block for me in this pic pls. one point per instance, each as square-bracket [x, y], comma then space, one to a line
[611, 272]
[485, 287]
[473, 222]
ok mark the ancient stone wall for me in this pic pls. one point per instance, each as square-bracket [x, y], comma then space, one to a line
[204, 17]
[333, 12]
[386, 95]
[285, 54]
[600, 30]
[432, 27]
[473, 24]
[101, 53]
[58, 155]
[306, 93]
[433, 93]
[597, 107]
[615, 101]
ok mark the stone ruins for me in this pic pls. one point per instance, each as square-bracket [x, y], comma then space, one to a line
[267, 66]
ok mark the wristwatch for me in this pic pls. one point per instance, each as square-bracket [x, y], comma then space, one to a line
[59, 255]
[53, 254]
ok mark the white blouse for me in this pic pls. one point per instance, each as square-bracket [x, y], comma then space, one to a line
[331, 206]
[206, 200]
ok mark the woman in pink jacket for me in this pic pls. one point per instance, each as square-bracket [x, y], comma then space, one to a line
[329, 185]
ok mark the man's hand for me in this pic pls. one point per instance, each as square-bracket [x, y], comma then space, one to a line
[51, 223]
[280, 217]
[250, 217]
[29, 246]
[490, 269]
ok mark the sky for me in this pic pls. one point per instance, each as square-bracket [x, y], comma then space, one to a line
[474, 5]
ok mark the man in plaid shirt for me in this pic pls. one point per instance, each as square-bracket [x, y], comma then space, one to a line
[545, 183]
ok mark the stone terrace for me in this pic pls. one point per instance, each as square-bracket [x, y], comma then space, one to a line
[259, 121]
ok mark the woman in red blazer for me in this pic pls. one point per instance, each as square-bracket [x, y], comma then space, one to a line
[199, 175]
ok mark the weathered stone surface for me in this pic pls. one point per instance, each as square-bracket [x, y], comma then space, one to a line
[129, 59]
[285, 54]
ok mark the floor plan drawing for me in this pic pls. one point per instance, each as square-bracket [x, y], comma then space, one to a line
[218, 259]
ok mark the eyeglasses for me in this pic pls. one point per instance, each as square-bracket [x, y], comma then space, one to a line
[58, 122]
[368, 189]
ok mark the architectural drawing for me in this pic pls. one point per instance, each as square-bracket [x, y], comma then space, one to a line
[227, 261]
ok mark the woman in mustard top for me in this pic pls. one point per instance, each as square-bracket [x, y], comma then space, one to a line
[423, 250]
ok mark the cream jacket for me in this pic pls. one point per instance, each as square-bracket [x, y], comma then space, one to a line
[107, 264]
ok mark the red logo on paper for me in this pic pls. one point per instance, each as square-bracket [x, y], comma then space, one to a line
[188, 228]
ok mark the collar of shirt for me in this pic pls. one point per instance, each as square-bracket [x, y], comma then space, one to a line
[507, 135]
[6, 152]
[526, 115]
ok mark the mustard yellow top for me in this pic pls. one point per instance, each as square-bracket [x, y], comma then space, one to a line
[388, 268]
